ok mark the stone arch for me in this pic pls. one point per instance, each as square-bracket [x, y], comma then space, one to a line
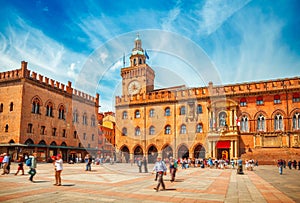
[183, 151]
[166, 151]
[138, 152]
[49, 101]
[63, 144]
[278, 111]
[125, 153]
[37, 97]
[152, 153]
[260, 112]
[29, 142]
[42, 142]
[199, 151]
[295, 110]
[11, 141]
[53, 143]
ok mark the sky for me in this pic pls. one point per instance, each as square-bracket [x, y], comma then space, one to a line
[188, 42]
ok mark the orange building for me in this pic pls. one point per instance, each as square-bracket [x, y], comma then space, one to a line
[106, 134]
[248, 119]
[38, 114]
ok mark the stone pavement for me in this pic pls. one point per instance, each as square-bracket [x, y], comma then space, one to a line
[123, 183]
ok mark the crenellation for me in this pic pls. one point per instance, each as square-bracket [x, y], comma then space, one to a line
[57, 84]
[47, 80]
[52, 82]
[34, 75]
[41, 77]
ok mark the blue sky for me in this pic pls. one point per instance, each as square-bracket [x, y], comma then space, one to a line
[83, 41]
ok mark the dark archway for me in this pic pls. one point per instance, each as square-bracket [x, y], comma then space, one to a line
[199, 152]
[138, 152]
[167, 152]
[11, 141]
[152, 154]
[29, 142]
[42, 142]
[183, 152]
[125, 153]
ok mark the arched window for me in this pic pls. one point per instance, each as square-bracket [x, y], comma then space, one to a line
[93, 137]
[243, 102]
[296, 121]
[124, 115]
[278, 122]
[182, 110]
[260, 123]
[93, 121]
[84, 119]
[137, 131]
[199, 128]
[36, 106]
[140, 61]
[199, 109]
[151, 113]
[222, 119]
[11, 106]
[151, 130]
[43, 130]
[124, 131]
[6, 128]
[1, 108]
[49, 109]
[137, 114]
[168, 130]
[168, 111]
[75, 116]
[244, 124]
[61, 113]
[183, 129]
[53, 131]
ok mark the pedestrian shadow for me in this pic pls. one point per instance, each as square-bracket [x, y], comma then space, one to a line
[178, 180]
[68, 185]
[41, 181]
[170, 189]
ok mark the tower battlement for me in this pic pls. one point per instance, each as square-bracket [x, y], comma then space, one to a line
[25, 73]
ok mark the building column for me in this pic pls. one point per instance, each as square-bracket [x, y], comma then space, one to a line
[214, 148]
[236, 149]
[231, 149]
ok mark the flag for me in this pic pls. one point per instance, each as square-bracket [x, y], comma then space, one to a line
[146, 54]
[237, 120]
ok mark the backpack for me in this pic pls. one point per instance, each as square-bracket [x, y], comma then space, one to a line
[28, 162]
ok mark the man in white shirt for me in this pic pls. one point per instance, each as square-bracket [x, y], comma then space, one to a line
[161, 169]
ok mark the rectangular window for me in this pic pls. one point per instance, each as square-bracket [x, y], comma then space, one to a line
[64, 134]
[53, 131]
[29, 129]
[43, 130]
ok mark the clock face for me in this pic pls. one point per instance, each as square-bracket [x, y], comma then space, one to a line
[134, 87]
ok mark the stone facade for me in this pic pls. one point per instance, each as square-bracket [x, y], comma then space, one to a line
[39, 114]
[219, 121]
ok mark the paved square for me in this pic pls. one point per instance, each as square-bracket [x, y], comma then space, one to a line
[123, 183]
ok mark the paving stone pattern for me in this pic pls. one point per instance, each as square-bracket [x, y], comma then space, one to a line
[122, 183]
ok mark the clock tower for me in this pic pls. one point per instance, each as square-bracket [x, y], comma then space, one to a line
[138, 78]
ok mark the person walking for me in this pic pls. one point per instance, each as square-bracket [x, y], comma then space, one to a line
[280, 166]
[173, 168]
[58, 164]
[88, 160]
[139, 164]
[20, 165]
[161, 169]
[33, 166]
[5, 163]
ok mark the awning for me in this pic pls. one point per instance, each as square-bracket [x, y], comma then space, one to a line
[223, 144]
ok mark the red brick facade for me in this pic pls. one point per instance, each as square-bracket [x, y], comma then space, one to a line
[46, 116]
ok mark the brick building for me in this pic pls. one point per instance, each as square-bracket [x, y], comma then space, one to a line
[106, 134]
[254, 120]
[38, 114]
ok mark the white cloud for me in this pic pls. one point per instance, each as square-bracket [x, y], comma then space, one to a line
[43, 54]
